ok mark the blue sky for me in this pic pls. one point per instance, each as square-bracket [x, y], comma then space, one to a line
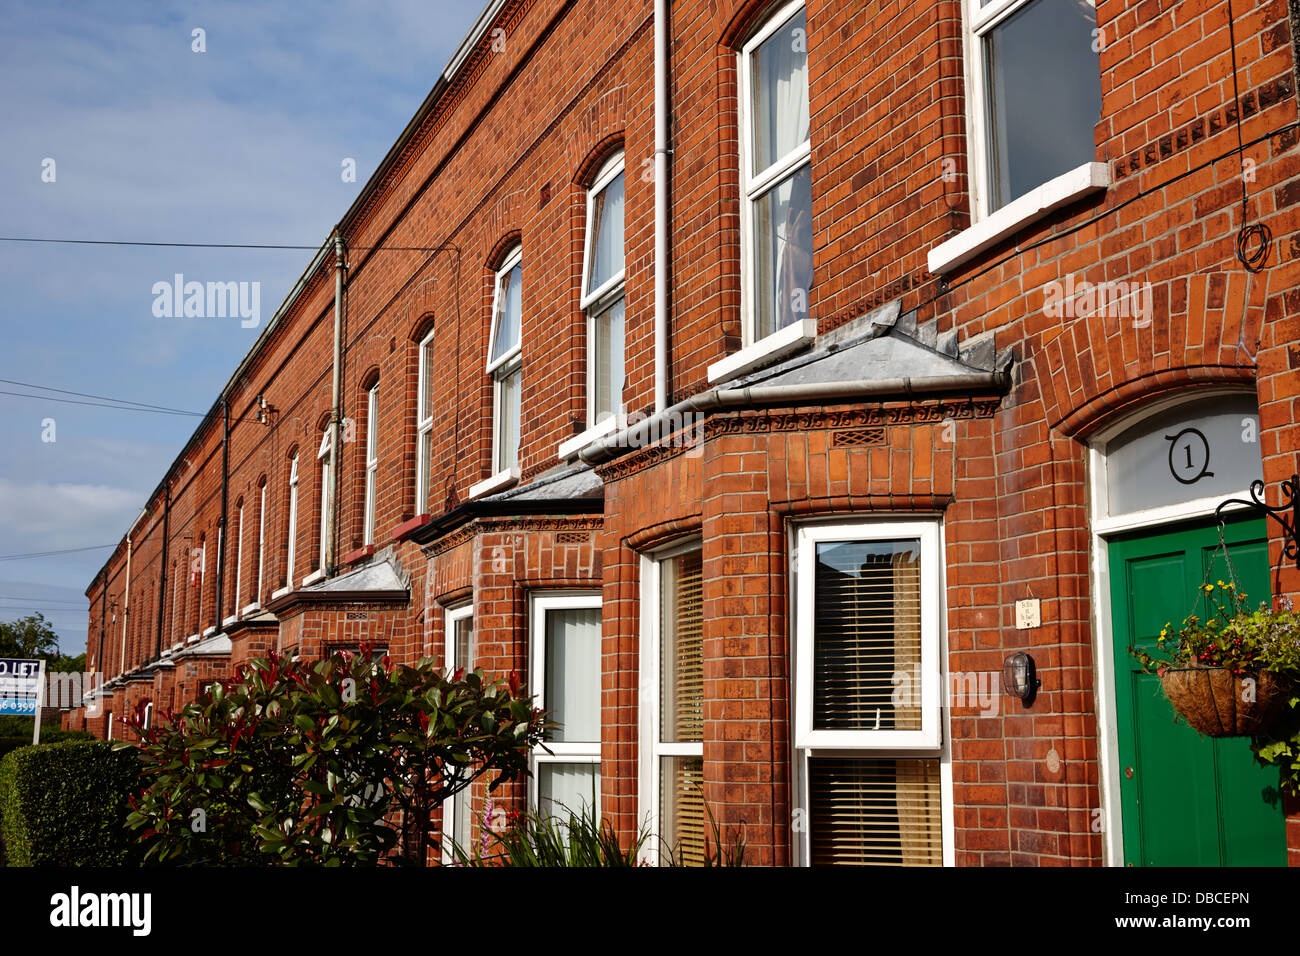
[153, 141]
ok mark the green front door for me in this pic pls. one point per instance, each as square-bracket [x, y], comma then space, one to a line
[1186, 800]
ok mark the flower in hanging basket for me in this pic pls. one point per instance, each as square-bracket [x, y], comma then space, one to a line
[1232, 674]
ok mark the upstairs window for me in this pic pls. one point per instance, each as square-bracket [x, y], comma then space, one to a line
[261, 541]
[325, 457]
[424, 426]
[372, 461]
[603, 276]
[504, 364]
[239, 557]
[292, 532]
[776, 237]
[1035, 95]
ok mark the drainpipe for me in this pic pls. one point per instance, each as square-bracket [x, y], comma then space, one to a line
[661, 205]
[162, 581]
[225, 501]
[336, 408]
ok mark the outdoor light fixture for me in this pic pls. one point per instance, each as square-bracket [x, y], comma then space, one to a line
[1018, 677]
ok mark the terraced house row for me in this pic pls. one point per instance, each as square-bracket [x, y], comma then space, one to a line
[760, 380]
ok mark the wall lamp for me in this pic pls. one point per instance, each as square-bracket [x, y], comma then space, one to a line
[1019, 678]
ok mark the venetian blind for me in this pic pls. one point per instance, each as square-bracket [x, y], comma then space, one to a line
[867, 628]
[875, 812]
[682, 681]
[682, 800]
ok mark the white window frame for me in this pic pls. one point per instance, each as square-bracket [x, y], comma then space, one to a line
[502, 368]
[595, 302]
[863, 745]
[326, 458]
[560, 751]
[423, 427]
[651, 749]
[807, 537]
[452, 616]
[979, 22]
[372, 463]
[261, 548]
[293, 522]
[239, 559]
[754, 186]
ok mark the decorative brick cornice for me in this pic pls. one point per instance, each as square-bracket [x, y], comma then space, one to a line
[926, 413]
[1203, 127]
[489, 525]
[648, 457]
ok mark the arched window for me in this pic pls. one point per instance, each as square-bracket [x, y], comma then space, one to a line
[292, 532]
[505, 364]
[326, 457]
[603, 275]
[372, 462]
[424, 425]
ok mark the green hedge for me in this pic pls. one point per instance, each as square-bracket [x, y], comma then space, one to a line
[65, 804]
[48, 736]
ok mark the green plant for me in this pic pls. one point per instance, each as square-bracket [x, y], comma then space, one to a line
[337, 762]
[50, 735]
[63, 804]
[541, 839]
[721, 850]
[1235, 636]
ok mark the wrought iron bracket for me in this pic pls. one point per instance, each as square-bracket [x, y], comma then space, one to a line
[1287, 514]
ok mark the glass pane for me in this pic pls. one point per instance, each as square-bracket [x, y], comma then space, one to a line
[372, 425]
[507, 448]
[426, 466]
[370, 505]
[1204, 449]
[867, 630]
[464, 642]
[506, 337]
[682, 649]
[562, 787]
[573, 674]
[1043, 88]
[681, 808]
[783, 254]
[462, 820]
[875, 812]
[780, 91]
[609, 374]
[426, 393]
[606, 234]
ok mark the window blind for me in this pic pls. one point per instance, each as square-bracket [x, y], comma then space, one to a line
[682, 800]
[875, 812]
[867, 628]
[683, 650]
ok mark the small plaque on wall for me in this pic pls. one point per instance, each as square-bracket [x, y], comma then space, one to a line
[1029, 614]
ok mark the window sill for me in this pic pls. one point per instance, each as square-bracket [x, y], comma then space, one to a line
[496, 482]
[255, 606]
[360, 554]
[765, 351]
[192, 639]
[1028, 209]
[578, 442]
[317, 575]
[230, 620]
[281, 593]
[210, 631]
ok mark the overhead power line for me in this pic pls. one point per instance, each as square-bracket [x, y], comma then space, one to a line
[46, 554]
[210, 245]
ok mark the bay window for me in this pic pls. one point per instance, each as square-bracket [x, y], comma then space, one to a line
[1035, 93]
[672, 704]
[870, 766]
[457, 818]
[566, 669]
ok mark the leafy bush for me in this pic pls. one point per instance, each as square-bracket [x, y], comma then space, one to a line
[65, 804]
[48, 736]
[337, 762]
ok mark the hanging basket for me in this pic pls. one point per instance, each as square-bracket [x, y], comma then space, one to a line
[1214, 702]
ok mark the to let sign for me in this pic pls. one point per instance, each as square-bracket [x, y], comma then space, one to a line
[20, 686]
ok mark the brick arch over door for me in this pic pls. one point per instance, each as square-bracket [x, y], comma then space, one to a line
[1201, 329]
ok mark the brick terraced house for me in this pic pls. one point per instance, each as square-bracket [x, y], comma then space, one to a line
[759, 379]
